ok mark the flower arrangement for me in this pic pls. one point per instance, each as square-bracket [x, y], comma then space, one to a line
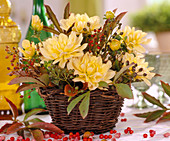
[82, 56]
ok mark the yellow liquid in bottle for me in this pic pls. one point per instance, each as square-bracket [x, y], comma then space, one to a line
[10, 35]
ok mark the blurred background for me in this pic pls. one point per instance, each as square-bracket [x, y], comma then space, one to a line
[22, 10]
[152, 16]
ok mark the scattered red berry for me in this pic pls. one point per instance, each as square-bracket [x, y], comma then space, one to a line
[27, 139]
[84, 139]
[114, 131]
[113, 139]
[111, 131]
[12, 138]
[122, 114]
[105, 136]
[145, 135]
[92, 133]
[59, 136]
[101, 136]
[110, 136]
[125, 131]
[166, 135]
[89, 139]
[117, 135]
[65, 138]
[125, 119]
[70, 133]
[128, 128]
[49, 139]
[29, 96]
[77, 134]
[151, 134]
[131, 131]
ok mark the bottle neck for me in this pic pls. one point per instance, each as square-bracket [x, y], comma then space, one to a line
[38, 7]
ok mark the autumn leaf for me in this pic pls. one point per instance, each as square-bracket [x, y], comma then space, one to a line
[13, 108]
[165, 117]
[14, 128]
[37, 134]
[143, 115]
[46, 126]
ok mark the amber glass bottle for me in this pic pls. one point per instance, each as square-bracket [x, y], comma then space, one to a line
[38, 9]
[10, 35]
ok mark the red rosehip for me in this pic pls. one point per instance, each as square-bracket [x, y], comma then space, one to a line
[59, 136]
[77, 134]
[131, 131]
[105, 136]
[114, 131]
[111, 131]
[27, 139]
[128, 128]
[145, 135]
[70, 133]
[101, 136]
[125, 131]
[117, 135]
[89, 139]
[12, 138]
[151, 134]
[166, 135]
[110, 136]
[65, 138]
[122, 114]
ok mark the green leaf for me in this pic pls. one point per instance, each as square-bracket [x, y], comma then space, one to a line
[33, 112]
[25, 87]
[13, 108]
[53, 18]
[165, 117]
[74, 102]
[122, 71]
[14, 128]
[24, 79]
[6, 117]
[34, 120]
[37, 134]
[153, 100]
[154, 115]
[84, 106]
[49, 29]
[46, 126]
[124, 90]
[67, 11]
[166, 88]
[143, 115]
[103, 84]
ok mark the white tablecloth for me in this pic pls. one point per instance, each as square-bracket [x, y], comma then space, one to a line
[135, 123]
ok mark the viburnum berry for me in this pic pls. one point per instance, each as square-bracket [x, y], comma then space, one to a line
[101, 136]
[29, 96]
[145, 135]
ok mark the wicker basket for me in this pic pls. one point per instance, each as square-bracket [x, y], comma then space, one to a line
[105, 107]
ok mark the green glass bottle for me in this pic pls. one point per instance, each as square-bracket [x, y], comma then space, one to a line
[36, 101]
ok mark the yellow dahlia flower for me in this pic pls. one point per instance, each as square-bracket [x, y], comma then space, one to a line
[90, 69]
[135, 39]
[143, 71]
[29, 49]
[62, 48]
[36, 23]
[82, 23]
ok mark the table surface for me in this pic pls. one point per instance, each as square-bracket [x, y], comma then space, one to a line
[137, 124]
